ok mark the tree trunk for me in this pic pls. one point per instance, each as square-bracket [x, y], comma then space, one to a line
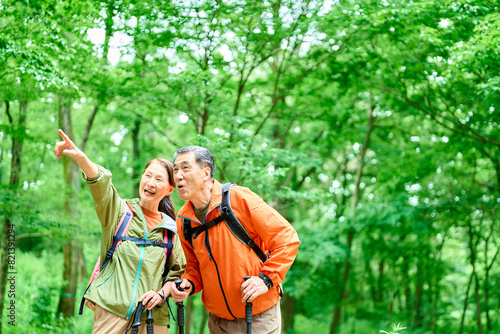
[287, 312]
[204, 320]
[71, 254]
[435, 300]
[487, 291]
[473, 254]
[487, 300]
[478, 304]
[7, 250]
[390, 310]
[487, 269]
[371, 281]
[72, 251]
[380, 282]
[337, 310]
[189, 315]
[466, 303]
[17, 145]
[419, 288]
[7, 108]
[406, 284]
[90, 122]
[434, 286]
[136, 172]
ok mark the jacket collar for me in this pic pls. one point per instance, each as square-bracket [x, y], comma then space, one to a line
[166, 221]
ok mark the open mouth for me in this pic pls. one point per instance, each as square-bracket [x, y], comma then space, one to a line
[149, 191]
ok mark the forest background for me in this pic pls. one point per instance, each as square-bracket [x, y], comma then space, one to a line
[372, 126]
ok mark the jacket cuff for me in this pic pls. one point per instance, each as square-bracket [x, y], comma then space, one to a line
[193, 287]
[267, 280]
[273, 276]
[100, 172]
[197, 286]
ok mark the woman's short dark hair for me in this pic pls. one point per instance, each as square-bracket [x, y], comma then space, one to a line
[166, 205]
[203, 157]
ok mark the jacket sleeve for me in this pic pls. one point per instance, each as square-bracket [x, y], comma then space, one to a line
[192, 264]
[177, 264]
[108, 205]
[275, 232]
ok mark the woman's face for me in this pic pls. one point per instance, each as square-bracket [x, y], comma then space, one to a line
[154, 185]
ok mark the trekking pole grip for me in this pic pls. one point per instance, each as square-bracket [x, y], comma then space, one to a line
[137, 318]
[178, 284]
[180, 308]
[180, 314]
[248, 313]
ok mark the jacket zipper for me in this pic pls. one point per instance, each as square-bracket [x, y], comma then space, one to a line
[146, 234]
[211, 257]
[140, 264]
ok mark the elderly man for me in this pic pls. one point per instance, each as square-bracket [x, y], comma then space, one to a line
[217, 261]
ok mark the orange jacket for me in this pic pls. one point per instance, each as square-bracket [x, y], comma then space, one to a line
[231, 258]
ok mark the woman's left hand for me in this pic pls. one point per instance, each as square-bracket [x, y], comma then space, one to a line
[150, 299]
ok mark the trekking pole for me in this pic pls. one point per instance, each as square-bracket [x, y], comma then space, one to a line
[137, 318]
[248, 313]
[180, 308]
[149, 322]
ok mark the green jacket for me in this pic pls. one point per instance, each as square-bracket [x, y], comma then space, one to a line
[133, 270]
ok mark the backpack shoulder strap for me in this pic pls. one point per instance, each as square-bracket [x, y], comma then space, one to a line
[121, 230]
[168, 238]
[187, 230]
[234, 224]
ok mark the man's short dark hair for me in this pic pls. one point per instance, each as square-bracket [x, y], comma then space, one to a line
[203, 157]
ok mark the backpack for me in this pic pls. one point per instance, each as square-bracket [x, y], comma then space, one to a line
[118, 237]
[232, 223]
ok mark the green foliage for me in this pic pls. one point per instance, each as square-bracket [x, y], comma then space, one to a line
[37, 295]
[395, 329]
[371, 126]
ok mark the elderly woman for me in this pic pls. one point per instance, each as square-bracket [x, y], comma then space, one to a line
[135, 273]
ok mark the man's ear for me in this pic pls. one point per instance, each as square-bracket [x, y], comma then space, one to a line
[206, 173]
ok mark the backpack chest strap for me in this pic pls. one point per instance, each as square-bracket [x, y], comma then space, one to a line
[141, 241]
[202, 228]
[232, 223]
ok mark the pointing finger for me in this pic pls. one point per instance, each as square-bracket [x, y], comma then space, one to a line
[65, 137]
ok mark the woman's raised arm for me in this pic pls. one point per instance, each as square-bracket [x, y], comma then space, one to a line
[67, 147]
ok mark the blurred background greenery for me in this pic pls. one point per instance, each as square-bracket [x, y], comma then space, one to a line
[372, 126]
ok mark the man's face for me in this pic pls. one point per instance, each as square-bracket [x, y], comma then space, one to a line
[189, 176]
